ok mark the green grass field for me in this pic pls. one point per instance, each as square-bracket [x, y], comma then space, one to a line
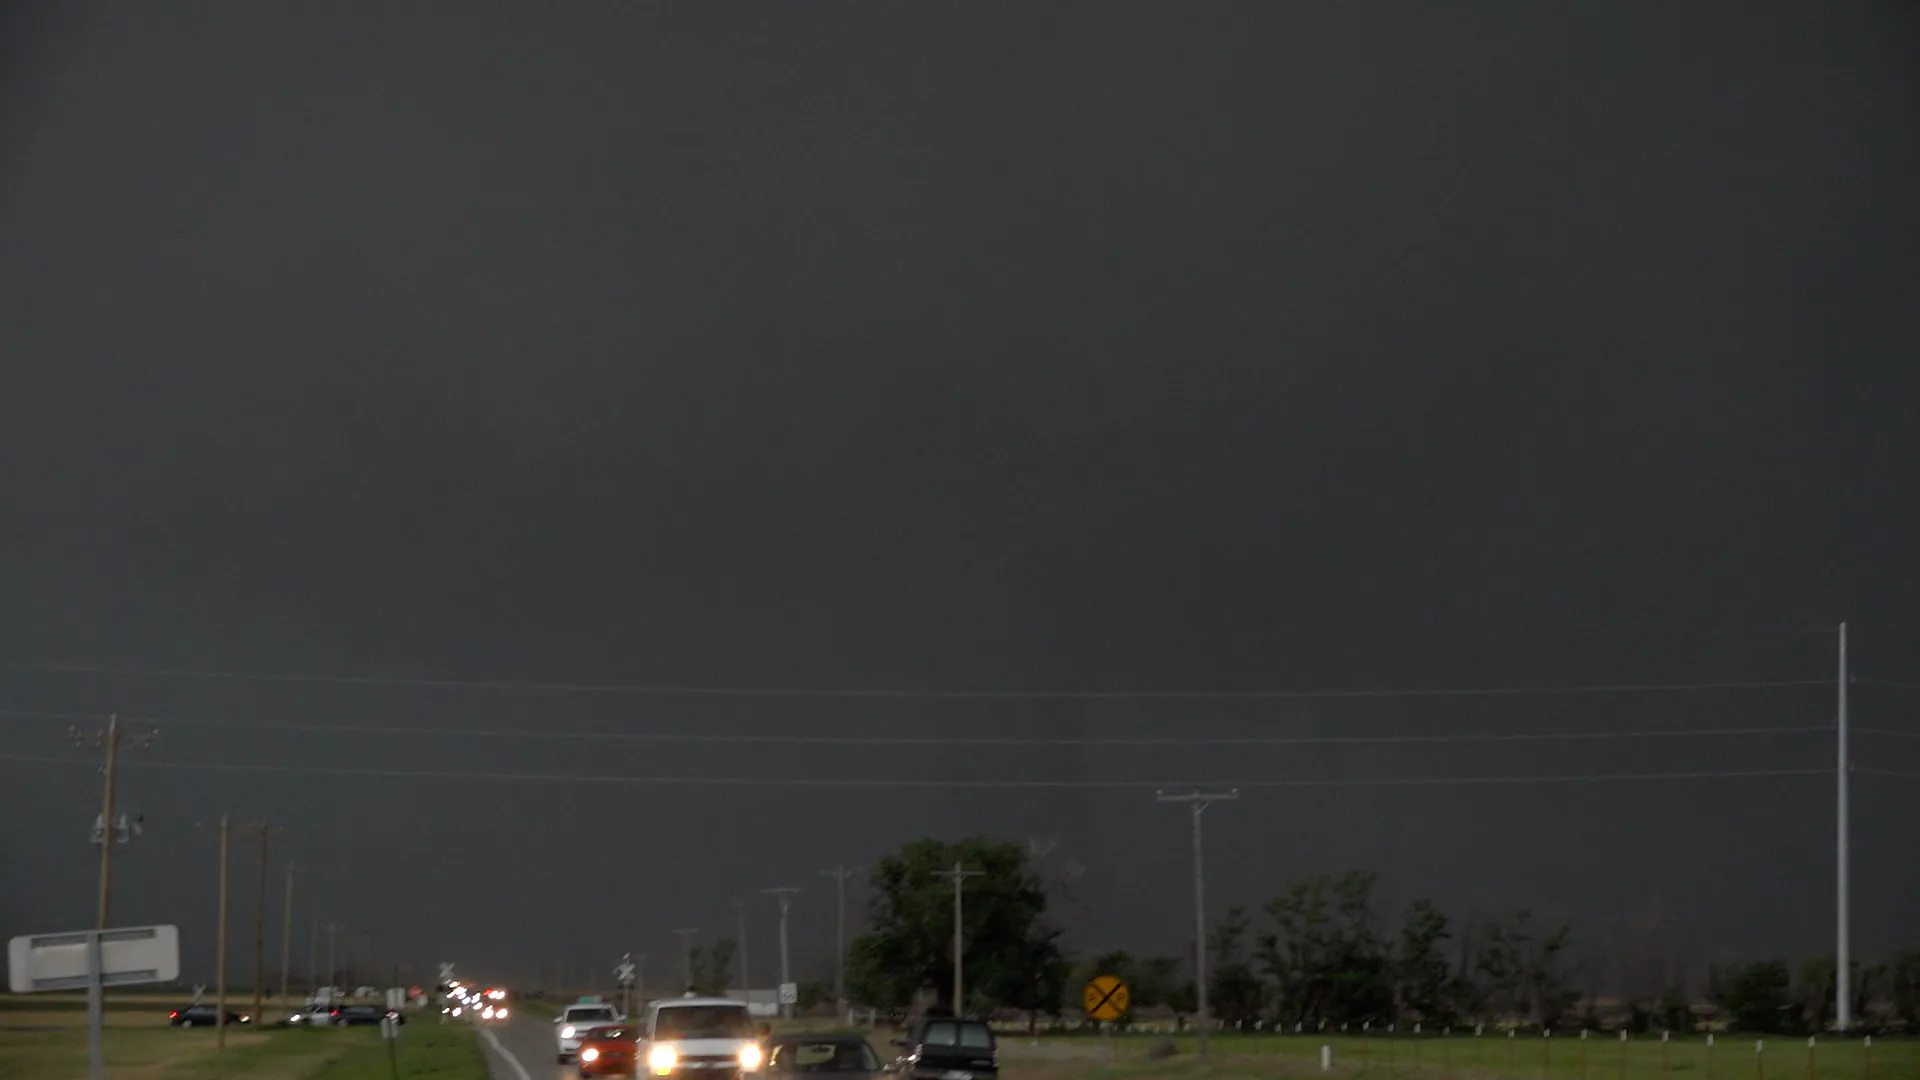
[44, 1037]
[1484, 1058]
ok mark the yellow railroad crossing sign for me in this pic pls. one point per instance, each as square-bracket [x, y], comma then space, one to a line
[1106, 998]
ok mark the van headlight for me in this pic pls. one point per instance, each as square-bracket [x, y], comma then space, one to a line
[750, 1057]
[662, 1059]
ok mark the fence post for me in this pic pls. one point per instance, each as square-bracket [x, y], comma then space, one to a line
[1760, 1059]
[1583, 1054]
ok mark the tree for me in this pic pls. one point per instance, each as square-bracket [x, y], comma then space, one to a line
[1904, 985]
[1235, 992]
[1758, 995]
[1326, 952]
[1159, 981]
[711, 963]
[1422, 977]
[1011, 954]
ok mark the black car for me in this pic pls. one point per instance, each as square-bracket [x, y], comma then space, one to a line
[946, 1048]
[846, 1057]
[204, 1016]
[360, 1015]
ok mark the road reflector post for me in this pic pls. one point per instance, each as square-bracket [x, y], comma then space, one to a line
[1760, 1058]
[1326, 1058]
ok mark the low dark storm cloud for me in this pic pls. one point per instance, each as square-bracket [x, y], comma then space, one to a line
[924, 347]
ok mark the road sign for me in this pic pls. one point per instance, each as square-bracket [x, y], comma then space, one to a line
[789, 993]
[396, 998]
[199, 993]
[140, 954]
[93, 960]
[624, 971]
[446, 972]
[1106, 998]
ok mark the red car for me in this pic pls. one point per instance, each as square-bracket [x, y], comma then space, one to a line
[610, 1050]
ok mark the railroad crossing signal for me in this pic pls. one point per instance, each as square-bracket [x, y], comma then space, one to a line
[199, 993]
[446, 973]
[625, 971]
[1106, 999]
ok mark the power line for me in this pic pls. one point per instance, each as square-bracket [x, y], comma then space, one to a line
[796, 692]
[827, 782]
[1887, 732]
[784, 739]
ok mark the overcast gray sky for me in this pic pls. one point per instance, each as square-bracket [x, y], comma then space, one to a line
[928, 348]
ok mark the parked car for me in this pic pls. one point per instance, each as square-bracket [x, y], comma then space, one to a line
[204, 1015]
[361, 1015]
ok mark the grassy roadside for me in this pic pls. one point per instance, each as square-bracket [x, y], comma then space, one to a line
[152, 1052]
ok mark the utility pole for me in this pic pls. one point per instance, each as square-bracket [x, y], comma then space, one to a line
[746, 974]
[1843, 945]
[313, 958]
[262, 830]
[1199, 801]
[110, 833]
[840, 874]
[958, 875]
[286, 933]
[220, 975]
[686, 954]
[784, 894]
[333, 928]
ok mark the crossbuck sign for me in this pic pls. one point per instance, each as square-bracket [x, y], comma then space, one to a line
[625, 970]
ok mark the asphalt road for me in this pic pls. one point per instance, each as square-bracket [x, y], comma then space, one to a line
[522, 1049]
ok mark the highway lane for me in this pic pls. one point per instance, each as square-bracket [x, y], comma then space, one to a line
[522, 1049]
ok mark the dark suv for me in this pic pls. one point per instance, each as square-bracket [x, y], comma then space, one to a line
[944, 1048]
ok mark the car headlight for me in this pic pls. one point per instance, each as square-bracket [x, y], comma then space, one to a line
[500, 1013]
[567, 1032]
[750, 1057]
[589, 1054]
[487, 1013]
[662, 1059]
[456, 1010]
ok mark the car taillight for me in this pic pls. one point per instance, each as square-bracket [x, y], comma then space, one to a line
[174, 1015]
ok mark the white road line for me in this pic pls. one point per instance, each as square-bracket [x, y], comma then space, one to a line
[518, 1069]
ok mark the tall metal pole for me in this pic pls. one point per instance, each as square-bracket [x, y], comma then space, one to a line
[333, 929]
[1843, 958]
[784, 894]
[220, 1018]
[313, 960]
[746, 972]
[286, 934]
[959, 875]
[686, 954]
[840, 874]
[1199, 801]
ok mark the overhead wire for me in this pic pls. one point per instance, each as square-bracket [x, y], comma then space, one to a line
[917, 782]
[786, 739]
[667, 690]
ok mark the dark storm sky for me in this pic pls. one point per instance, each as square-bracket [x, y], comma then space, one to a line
[957, 347]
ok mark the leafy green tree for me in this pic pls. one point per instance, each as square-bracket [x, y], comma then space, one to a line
[1235, 991]
[711, 964]
[1422, 975]
[1757, 995]
[1326, 953]
[1012, 954]
[1904, 987]
[1160, 982]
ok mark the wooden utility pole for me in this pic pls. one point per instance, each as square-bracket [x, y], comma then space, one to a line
[840, 874]
[1198, 801]
[263, 831]
[286, 934]
[958, 875]
[225, 830]
[111, 739]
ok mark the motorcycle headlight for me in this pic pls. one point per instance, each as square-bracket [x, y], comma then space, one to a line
[750, 1057]
[661, 1059]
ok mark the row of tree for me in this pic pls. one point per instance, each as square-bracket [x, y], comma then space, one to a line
[1325, 951]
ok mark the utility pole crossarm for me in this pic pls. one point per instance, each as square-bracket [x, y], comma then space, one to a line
[1198, 801]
